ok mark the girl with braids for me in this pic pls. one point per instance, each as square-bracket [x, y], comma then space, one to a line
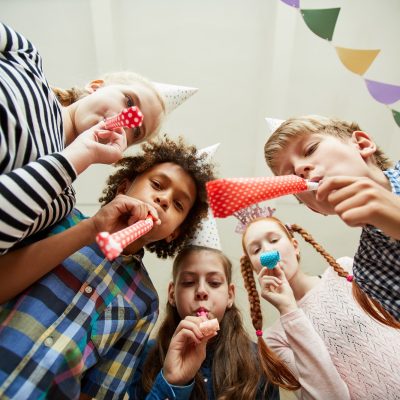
[332, 347]
[184, 364]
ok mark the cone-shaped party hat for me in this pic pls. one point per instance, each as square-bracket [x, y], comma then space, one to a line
[174, 95]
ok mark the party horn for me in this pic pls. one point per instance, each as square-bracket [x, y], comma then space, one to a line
[232, 194]
[113, 244]
[269, 259]
[128, 118]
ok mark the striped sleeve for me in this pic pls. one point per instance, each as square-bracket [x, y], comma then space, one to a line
[35, 179]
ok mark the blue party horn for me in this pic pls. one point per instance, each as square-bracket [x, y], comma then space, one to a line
[269, 259]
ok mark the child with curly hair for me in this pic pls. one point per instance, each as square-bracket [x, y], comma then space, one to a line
[78, 332]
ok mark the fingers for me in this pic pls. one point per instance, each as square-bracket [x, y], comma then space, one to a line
[191, 324]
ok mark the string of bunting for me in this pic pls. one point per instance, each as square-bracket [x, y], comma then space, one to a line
[322, 22]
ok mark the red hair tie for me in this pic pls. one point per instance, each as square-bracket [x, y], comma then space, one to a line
[349, 278]
[259, 332]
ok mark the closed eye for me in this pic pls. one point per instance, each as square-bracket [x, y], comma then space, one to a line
[310, 149]
[215, 284]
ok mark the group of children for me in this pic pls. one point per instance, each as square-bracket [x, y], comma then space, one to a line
[75, 325]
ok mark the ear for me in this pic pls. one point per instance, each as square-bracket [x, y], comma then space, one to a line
[172, 236]
[124, 186]
[231, 295]
[171, 294]
[94, 85]
[365, 144]
[296, 247]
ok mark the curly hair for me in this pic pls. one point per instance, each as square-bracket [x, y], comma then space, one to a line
[162, 151]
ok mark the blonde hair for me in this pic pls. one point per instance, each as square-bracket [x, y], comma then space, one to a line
[69, 96]
[313, 124]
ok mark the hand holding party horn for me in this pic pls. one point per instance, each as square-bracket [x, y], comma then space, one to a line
[229, 195]
[129, 118]
[113, 244]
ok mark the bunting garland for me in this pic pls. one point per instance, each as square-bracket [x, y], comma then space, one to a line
[322, 22]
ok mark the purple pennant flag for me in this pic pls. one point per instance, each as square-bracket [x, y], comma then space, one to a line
[383, 92]
[292, 3]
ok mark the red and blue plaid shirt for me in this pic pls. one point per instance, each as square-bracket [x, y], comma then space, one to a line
[81, 328]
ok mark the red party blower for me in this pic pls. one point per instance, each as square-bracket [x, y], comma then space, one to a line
[128, 118]
[229, 195]
[113, 244]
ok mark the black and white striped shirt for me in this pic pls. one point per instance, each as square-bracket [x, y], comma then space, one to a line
[35, 179]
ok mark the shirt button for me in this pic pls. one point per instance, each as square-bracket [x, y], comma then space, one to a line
[48, 341]
[88, 289]
[205, 380]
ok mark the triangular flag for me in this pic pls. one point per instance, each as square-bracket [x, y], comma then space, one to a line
[322, 22]
[357, 61]
[383, 92]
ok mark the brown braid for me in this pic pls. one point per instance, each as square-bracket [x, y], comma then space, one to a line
[69, 96]
[274, 368]
[331, 260]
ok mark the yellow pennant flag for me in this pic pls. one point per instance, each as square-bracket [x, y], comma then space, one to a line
[357, 61]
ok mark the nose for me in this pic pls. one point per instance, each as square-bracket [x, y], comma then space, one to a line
[303, 169]
[163, 201]
[201, 292]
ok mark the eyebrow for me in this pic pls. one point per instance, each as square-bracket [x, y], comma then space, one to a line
[180, 192]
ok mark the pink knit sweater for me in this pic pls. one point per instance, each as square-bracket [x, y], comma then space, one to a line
[335, 349]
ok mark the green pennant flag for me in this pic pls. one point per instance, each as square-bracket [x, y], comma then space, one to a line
[322, 22]
[396, 116]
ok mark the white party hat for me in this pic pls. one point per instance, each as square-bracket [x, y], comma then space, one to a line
[273, 124]
[174, 95]
[207, 234]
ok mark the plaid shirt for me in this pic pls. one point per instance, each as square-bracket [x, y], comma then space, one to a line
[81, 328]
[377, 261]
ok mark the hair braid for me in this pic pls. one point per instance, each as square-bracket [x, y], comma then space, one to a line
[331, 260]
[274, 368]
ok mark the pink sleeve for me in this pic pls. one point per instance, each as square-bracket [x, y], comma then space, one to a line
[302, 349]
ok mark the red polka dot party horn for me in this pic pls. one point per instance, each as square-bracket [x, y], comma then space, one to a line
[128, 118]
[113, 244]
[229, 195]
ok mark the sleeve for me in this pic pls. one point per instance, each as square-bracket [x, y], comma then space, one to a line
[35, 189]
[27, 192]
[161, 388]
[111, 377]
[304, 352]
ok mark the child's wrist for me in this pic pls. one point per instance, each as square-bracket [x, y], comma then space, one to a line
[287, 308]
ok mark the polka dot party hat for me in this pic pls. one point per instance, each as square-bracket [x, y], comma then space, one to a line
[229, 195]
[207, 234]
[174, 95]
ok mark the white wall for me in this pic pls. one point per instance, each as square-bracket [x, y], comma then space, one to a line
[250, 59]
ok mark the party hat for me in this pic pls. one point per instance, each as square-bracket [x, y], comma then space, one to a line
[231, 194]
[248, 214]
[273, 124]
[207, 234]
[174, 95]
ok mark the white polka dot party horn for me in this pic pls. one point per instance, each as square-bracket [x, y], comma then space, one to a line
[232, 194]
[128, 118]
[113, 244]
[269, 259]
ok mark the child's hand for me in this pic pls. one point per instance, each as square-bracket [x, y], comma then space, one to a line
[186, 352]
[276, 290]
[121, 212]
[361, 201]
[96, 146]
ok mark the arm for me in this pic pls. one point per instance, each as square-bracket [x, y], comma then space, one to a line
[305, 353]
[302, 350]
[361, 201]
[20, 268]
